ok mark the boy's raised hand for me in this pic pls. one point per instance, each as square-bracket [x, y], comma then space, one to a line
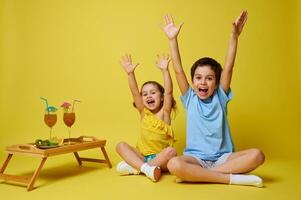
[239, 23]
[162, 61]
[126, 62]
[170, 29]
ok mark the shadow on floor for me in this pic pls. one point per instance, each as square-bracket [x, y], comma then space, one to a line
[51, 174]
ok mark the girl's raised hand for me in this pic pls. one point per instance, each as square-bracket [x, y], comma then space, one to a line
[126, 62]
[170, 29]
[163, 61]
[239, 23]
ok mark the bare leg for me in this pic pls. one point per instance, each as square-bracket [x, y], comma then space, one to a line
[188, 169]
[133, 158]
[241, 162]
[130, 155]
[163, 157]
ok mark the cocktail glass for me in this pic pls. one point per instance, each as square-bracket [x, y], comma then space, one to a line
[50, 120]
[69, 119]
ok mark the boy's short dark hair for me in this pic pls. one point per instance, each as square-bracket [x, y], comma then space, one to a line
[214, 65]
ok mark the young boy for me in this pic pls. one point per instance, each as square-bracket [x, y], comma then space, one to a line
[209, 154]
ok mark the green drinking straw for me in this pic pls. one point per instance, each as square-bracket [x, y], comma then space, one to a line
[73, 104]
[46, 101]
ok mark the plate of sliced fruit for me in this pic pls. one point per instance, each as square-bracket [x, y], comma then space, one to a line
[49, 143]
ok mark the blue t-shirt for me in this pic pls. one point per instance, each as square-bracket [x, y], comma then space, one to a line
[208, 134]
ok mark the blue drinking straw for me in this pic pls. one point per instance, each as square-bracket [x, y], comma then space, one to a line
[46, 101]
[51, 109]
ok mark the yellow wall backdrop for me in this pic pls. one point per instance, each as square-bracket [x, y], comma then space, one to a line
[70, 49]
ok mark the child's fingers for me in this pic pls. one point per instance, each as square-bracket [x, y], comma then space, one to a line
[238, 19]
[167, 57]
[158, 58]
[242, 18]
[130, 58]
[245, 14]
[241, 14]
[166, 19]
[180, 26]
[125, 58]
[234, 25]
[245, 18]
[171, 19]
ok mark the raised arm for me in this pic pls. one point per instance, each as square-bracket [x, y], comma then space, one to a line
[172, 32]
[162, 63]
[129, 68]
[226, 75]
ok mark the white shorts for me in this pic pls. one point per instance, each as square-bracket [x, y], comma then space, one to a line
[211, 163]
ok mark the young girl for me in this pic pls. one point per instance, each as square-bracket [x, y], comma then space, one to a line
[154, 104]
[209, 154]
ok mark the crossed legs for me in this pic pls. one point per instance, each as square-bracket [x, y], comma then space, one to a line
[188, 168]
[134, 161]
[134, 158]
[241, 162]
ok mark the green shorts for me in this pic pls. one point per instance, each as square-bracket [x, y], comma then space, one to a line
[149, 157]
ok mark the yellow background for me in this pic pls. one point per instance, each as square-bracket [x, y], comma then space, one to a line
[70, 49]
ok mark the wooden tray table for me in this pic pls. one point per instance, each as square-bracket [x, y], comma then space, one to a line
[77, 144]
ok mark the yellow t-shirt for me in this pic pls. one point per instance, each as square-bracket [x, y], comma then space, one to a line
[155, 135]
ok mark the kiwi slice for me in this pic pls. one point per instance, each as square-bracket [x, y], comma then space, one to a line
[45, 143]
[38, 142]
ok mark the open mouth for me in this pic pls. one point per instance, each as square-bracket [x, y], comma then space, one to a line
[203, 91]
[150, 102]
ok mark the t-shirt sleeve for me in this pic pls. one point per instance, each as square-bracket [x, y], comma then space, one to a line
[187, 97]
[223, 96]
